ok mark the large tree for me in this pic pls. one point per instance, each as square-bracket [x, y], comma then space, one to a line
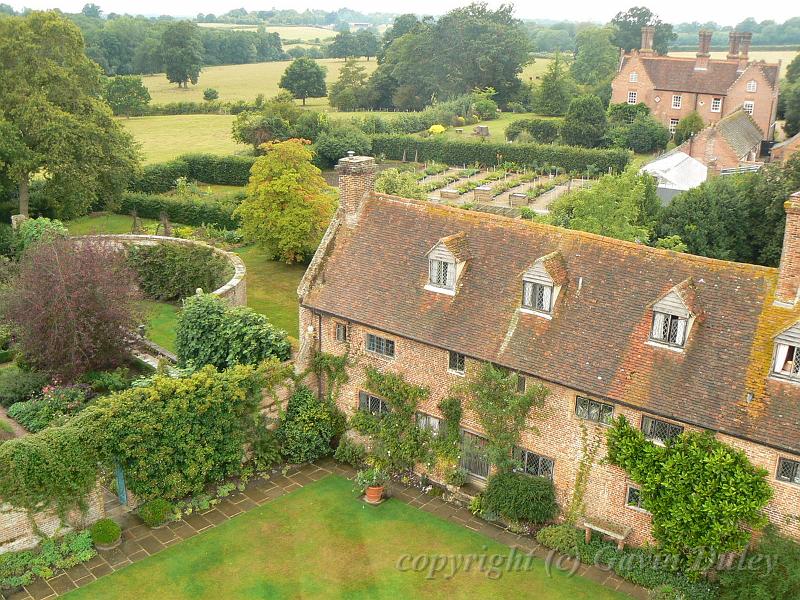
[182, 52]
[126, 95]
[628, 29]
[366, 43]
[555, 91]
[58, 127]
[288, 204]
[585, 123]
[304, 78]
[349, 91]
[595, 56]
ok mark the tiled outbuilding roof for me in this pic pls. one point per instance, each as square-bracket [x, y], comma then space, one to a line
[678, 74]
[741, 132]
[597, 340]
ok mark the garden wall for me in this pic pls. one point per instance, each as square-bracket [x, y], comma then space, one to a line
[17, 531]
[234, 291]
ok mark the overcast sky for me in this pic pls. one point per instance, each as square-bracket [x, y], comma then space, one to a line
[674, 11]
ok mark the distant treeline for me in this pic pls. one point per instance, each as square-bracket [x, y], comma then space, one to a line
[337, 18]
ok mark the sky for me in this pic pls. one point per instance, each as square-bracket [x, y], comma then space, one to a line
[673, 11]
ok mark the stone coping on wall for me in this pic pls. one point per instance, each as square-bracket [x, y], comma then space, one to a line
[234, 290]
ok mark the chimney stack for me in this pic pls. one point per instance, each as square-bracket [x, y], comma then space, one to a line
[648, 33]
[733, 45]
[789, 269]
[356, 182]
[703, 51]
[744, 49]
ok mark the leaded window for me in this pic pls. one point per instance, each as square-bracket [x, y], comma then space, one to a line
[429, 423]
[534, 464]
[752, 86]
[456, 363]
[442, 274]
[668, 329]
[372, 404]
[787, 360]
[658, 430]
[788, 470]
[537, 296]
[341, 332]
[632, 97]
[592, 410]
[379, 345]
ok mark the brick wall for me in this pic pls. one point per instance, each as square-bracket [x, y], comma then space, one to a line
[553, 430]
[17, 532]
[764, 98]
[711, 149]
[785, 152]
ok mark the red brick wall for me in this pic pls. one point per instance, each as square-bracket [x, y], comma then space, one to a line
[785, 152]
[711, 148]
[559, 429]
[764, 98]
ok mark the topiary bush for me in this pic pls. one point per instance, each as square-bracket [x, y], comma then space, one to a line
[156, 512]
[105, 532]
[18, 385]
[520, 497]
[334, 144]
[309, 425]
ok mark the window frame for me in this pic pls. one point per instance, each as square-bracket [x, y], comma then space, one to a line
[794, 373]
[638, 505]
[423, 422]
[633, 77]
[633, 97]
[795, 466]
[459, 358]
[749, 107]
[675, 430]
[667, 341]
[718, 103]
[386, 347]
[677, 101]
[587, 416]
[483, 460]
[523, 455]
[522, 383]
[673, 125]
[547, 293]
[383, 407]
[342, 332]
[751, 86]
[445, 270]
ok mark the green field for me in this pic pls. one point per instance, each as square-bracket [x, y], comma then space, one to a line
[287, 32]
[531, 72]
[239, 82]
[321, 541]
[497, 128]
[770, 56]
[164, 138]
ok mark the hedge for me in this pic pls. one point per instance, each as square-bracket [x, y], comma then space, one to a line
[208, 168]
[569, 158]
[213, 210]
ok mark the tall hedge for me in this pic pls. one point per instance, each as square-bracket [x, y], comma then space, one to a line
[207, 168]
[216, 211]
[160, 177]
[453, 152]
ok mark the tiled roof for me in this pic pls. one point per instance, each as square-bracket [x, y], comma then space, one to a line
[740, 131]
[678, 74]
[596, 341]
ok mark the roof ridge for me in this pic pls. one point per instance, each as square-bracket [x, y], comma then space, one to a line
[529, 224]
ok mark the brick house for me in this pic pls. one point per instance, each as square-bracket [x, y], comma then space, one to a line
[783, 151]
[732, 142]
[674, 86]
[672, 341]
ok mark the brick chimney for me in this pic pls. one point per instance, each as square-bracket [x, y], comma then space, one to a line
[733, 45]
[648, 34]
[356, 182]
[703, 54]
[744, 50]
[789, 269]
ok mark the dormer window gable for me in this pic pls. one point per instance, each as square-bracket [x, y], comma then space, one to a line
[446, 261]
[786, 354]
[542, 283]
[673, 316]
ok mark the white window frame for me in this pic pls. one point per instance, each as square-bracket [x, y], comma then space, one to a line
[673, 125]
[716, 105]
[677, 101]
[751, 86]
[749, 107]
[380, 346]
[428, 422]
[675, 334]
[441, 274]
[537, 296]
[633, 97]
[633, 77]
[456, 363]
[786, 354]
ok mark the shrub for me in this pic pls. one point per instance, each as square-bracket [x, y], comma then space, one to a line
[33, 231]
[371, 477]
[8, 240]
[218, 170]
[170, 271]
[457, 477]
[156, 512]
[105, 532]
[688, 126]
[644, 135]
[544, 131]
[520, 497]
[335, 143]
[210, 94]
[160, 177]
[52, 408]
[20, 568]
[108, 381]
[264, 446]
[18, 385]
[486, 109]
[209, 331]
[350, 453]
[309, 425]
[193, 210]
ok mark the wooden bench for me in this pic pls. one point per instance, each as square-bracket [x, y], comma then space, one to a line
[615, 532]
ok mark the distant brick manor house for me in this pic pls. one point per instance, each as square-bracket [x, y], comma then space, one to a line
[672, 341]
[673, 86]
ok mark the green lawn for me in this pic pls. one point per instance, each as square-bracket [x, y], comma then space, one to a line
[322, 542]
[161, 320]
[104, 223]
[497, 127]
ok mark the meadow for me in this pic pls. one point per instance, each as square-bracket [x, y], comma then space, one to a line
[287, 32]
[770, 56]
[164, 138]
[240, 82]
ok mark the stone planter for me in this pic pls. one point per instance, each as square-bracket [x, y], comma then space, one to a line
[111, 546]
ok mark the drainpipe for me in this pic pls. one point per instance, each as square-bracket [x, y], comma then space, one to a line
[319, 350]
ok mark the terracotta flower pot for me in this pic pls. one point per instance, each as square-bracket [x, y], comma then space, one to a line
[374, 494]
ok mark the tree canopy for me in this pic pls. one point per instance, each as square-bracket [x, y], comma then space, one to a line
[126, 95]
[628, 29]
[585, 123]
[182, 52]
[596, 57]
[304, 78]
[555, 91]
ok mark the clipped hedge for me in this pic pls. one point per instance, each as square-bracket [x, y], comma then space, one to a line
[216, 211]
[160, 177]
[453, 152]
[208, 168]
[521, 497]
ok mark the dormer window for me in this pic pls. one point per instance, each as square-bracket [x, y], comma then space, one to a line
[442, 274]
[668, 329]
[786, 361]
[537, 296]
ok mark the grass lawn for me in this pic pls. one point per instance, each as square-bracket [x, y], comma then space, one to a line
[162, 318]
[770, 56]
[103, 223]
[164, 138]
[322, 542]
[497, 127]
[532, 71]
[240, 82]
